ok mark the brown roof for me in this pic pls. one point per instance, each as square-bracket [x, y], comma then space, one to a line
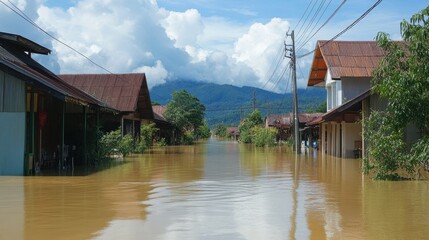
[352, 103]
[158, 112]
[285, 120]
[126, 92]
[15, 61]
[233, 131]
[279, 119]
[344, 59]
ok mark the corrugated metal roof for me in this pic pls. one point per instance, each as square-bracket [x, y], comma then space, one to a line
[285, 120]
[158, 112]
[340, 109]
[344, 59]
[23, 43]
[126, 92]
[16, 62]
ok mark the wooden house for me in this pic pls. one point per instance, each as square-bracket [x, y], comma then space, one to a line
[166, 130]
[126, 92]
[233, 133]
[284, 125]
[44, 121]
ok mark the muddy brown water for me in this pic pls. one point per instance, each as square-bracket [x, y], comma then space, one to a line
[216, 190]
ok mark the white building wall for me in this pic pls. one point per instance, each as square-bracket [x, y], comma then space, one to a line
[352, 133]
[334, 92]
[352, 87]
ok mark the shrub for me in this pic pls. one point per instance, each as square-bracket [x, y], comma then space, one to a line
[264, 136]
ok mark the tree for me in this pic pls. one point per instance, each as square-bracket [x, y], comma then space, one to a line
[402, 79]
[220, 130]
[245, 128]
[204, 131]
[185, 111]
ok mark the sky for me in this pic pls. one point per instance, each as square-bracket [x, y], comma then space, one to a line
[221, 41]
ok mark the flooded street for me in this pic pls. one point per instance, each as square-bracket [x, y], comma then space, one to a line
[216, 190]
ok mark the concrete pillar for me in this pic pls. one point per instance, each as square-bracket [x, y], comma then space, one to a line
[343, 137]
[329, 138]
[333, 136]
[338, 141]
[322, 140]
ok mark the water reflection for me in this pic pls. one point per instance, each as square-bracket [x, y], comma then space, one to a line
[216, 190]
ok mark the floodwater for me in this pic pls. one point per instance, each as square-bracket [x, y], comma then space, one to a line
[216, 190]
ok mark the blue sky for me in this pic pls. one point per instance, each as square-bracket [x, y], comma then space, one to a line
[227, 42]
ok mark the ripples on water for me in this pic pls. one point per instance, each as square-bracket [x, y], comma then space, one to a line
[216, 190]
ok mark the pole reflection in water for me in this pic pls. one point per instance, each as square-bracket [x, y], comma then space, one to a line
[216, 190]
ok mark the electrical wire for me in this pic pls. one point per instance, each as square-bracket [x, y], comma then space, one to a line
[346, 29]
[327, 20]
[299, 37]
[311, 3]
[278, 63]
[305, 21]
[26, 18]
[281, 76]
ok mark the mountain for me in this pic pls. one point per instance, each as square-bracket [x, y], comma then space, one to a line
[227, 104]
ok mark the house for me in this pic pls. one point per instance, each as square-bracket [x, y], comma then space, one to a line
[284, 125]
[233, 133]
[44, 121]
[344, 69]
[126, 92]
[166, 130]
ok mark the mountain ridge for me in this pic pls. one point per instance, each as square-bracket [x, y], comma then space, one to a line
[228, 104]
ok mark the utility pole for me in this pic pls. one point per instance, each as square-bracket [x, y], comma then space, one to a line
[292, 56]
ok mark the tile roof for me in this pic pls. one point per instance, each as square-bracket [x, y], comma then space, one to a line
[344, 59]
[126, 92]
[15, 61]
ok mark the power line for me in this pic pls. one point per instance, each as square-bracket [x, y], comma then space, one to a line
[287, 86]
[308, 15]
[279, 61]
[346, 29]
[281, 76]
[322, 3]
[26, 18]
[327, 20]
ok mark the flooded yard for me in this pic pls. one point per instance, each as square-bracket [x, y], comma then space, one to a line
[216, 190]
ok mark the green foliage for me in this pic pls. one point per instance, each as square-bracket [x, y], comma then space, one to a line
[112, 143]
[185, 111]
[204, 131]
[401, 79]
[220, 130]
[188, 138]
[386, 148]
[245, 128]
[161, 142]
[255, 118]
[225, 98]
[126, 145]
[96, 151]
[147, 132]
[321, 108]
[264, 136]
